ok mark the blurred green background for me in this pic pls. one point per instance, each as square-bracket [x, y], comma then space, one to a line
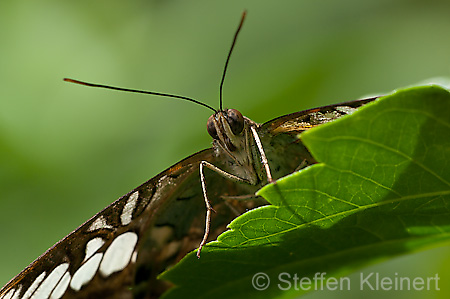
[68, 151]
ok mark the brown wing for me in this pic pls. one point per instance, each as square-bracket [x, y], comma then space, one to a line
[162, 219]
[298, 122]
[129, 242]
[284, 149]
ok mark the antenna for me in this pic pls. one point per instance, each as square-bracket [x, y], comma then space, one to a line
[168, 94]
[228, 58]
[139, 91]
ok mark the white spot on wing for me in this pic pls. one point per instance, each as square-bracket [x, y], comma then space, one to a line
[50, 281]
[86, 272]
[92, 246]
[17, 293]
[134, 257]
[118, 254]
[60, 289]
[99, 223]
[9, 294]
[346, 109]
[34, 285]
[127, 212]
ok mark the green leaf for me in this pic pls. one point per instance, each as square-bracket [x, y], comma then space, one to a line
[381, 189]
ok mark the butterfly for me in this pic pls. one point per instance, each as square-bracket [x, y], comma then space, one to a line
[119, 252]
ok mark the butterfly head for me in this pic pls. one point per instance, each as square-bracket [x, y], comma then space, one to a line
[226, 127]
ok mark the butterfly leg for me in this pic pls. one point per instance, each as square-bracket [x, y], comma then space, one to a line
[302, 165]
[263, 155]
[209, 208]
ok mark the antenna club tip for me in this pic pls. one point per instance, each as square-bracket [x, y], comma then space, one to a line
[77, 82]
[244, 14]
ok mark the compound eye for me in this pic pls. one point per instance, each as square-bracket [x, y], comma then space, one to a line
[235, 120]
[211, 128]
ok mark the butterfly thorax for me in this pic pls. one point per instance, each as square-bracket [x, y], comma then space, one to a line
[233, 143]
